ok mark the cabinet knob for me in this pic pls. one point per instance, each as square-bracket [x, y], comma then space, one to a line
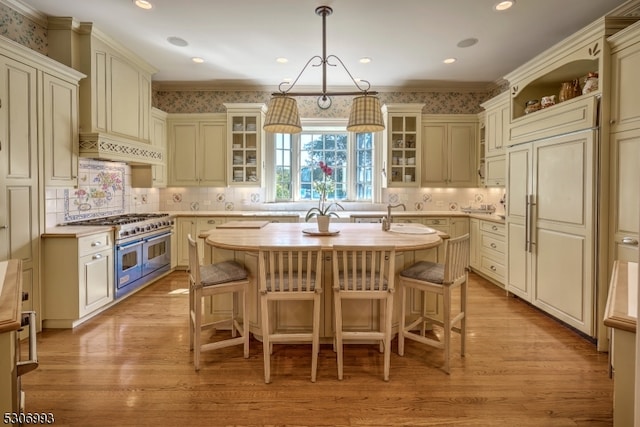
[2, 227]
[494, 228]
[612, 121]
[493, 245]
[211, 221]
[97, 256]
[96, 243]
[493, 268]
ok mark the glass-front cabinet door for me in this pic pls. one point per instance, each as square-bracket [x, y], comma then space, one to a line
[245, 139]
[402, 145]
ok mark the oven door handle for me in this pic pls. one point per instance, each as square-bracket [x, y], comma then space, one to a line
[124, 246]
[161, 236]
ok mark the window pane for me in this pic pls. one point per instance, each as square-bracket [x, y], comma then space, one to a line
[364, 166]
[330, 148]
[283, 156]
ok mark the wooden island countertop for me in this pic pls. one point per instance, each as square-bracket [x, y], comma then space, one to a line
[291, 234]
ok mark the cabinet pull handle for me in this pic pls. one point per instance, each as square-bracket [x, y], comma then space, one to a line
[629, 241]
[493, 245]
[2, 227]
[96, 243]
[97, 256]
[211, 221]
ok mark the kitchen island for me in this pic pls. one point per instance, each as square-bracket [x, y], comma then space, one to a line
[242, 244]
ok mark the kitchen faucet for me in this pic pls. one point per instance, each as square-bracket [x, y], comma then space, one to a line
[386, 222]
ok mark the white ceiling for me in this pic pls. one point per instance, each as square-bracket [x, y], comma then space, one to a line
[406, 39]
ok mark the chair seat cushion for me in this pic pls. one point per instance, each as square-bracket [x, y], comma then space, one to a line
[222, 272]
[425, 271]
[284, 285]
[378, 284]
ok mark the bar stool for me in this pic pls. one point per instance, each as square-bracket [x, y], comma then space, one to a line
[289, 274]
[364, 273]
[215, 279]
[439, 279]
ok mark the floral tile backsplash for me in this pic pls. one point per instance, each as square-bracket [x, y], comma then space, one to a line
[100, 191]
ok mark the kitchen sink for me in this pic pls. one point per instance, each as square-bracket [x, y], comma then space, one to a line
[411, 229]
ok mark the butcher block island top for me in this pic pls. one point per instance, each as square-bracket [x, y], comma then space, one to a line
[302, 235]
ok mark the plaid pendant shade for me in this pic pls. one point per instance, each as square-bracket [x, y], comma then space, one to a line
[282, 116]
[366, 115]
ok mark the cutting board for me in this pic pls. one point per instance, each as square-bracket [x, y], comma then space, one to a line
[243, 224]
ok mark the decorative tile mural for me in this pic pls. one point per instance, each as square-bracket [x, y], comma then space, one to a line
[100, 192]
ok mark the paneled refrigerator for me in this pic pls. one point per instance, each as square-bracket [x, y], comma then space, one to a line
[551, 225]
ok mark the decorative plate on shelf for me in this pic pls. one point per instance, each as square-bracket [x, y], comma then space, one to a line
[315, 232]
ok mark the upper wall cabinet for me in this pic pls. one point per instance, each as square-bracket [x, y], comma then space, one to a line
[449, 144]
[115, 98]
[245, 143]
[402, 144]
[625, 63]
[197, 149]
[543, 76]
[153, 176]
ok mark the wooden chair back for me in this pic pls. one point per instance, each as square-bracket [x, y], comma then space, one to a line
[456, 263]
[363, 268]
[194, 262]
[290, 269]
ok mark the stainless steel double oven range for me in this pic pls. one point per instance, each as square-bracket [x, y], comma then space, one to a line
[142, 248]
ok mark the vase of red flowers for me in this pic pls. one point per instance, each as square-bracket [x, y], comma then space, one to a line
[323, 212]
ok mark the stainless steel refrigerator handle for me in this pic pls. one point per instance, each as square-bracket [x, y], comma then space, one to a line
[527, 246]
[531, 203]
[26, 366]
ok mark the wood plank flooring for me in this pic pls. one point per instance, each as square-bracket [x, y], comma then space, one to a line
[131, 366]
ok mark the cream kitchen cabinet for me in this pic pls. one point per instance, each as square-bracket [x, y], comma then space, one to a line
[624, 195]
[79, 278]
[194, 226]
[60, 129]
[624, 145]
[625, 64]
[489, 248]
[115, 98]
[495, 170]
[153, 176]
[197, 147]
[401, 144]
[245, 144]
[32, 86]
[449, 151]
[496, 125]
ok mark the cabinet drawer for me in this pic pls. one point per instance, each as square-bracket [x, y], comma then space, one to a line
[492, 268]
[435, 222]
[492, 227]
[408, 220]
[493, 244]
[94, 243]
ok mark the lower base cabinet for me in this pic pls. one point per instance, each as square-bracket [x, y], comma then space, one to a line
[488, 250]
[78, 278]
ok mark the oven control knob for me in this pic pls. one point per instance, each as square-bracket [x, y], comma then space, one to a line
[124, 233]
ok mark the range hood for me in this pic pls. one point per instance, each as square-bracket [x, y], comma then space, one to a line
[110, 147]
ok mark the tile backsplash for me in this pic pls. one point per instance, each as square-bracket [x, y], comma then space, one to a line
[104, 189]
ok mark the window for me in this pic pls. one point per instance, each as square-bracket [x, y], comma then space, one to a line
[296, 158]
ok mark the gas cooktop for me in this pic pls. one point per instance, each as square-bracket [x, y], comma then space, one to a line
[120, 219]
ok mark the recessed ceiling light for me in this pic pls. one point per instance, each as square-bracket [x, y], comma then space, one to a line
[177, 41]
[282, 60]
[467, 42]
[365, 60]
[143, 4]
[449, 60]
[197, 60]
[504, 5]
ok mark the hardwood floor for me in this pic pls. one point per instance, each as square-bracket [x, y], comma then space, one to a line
[131, 365]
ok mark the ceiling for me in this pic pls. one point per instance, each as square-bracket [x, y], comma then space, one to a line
[407, 40]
